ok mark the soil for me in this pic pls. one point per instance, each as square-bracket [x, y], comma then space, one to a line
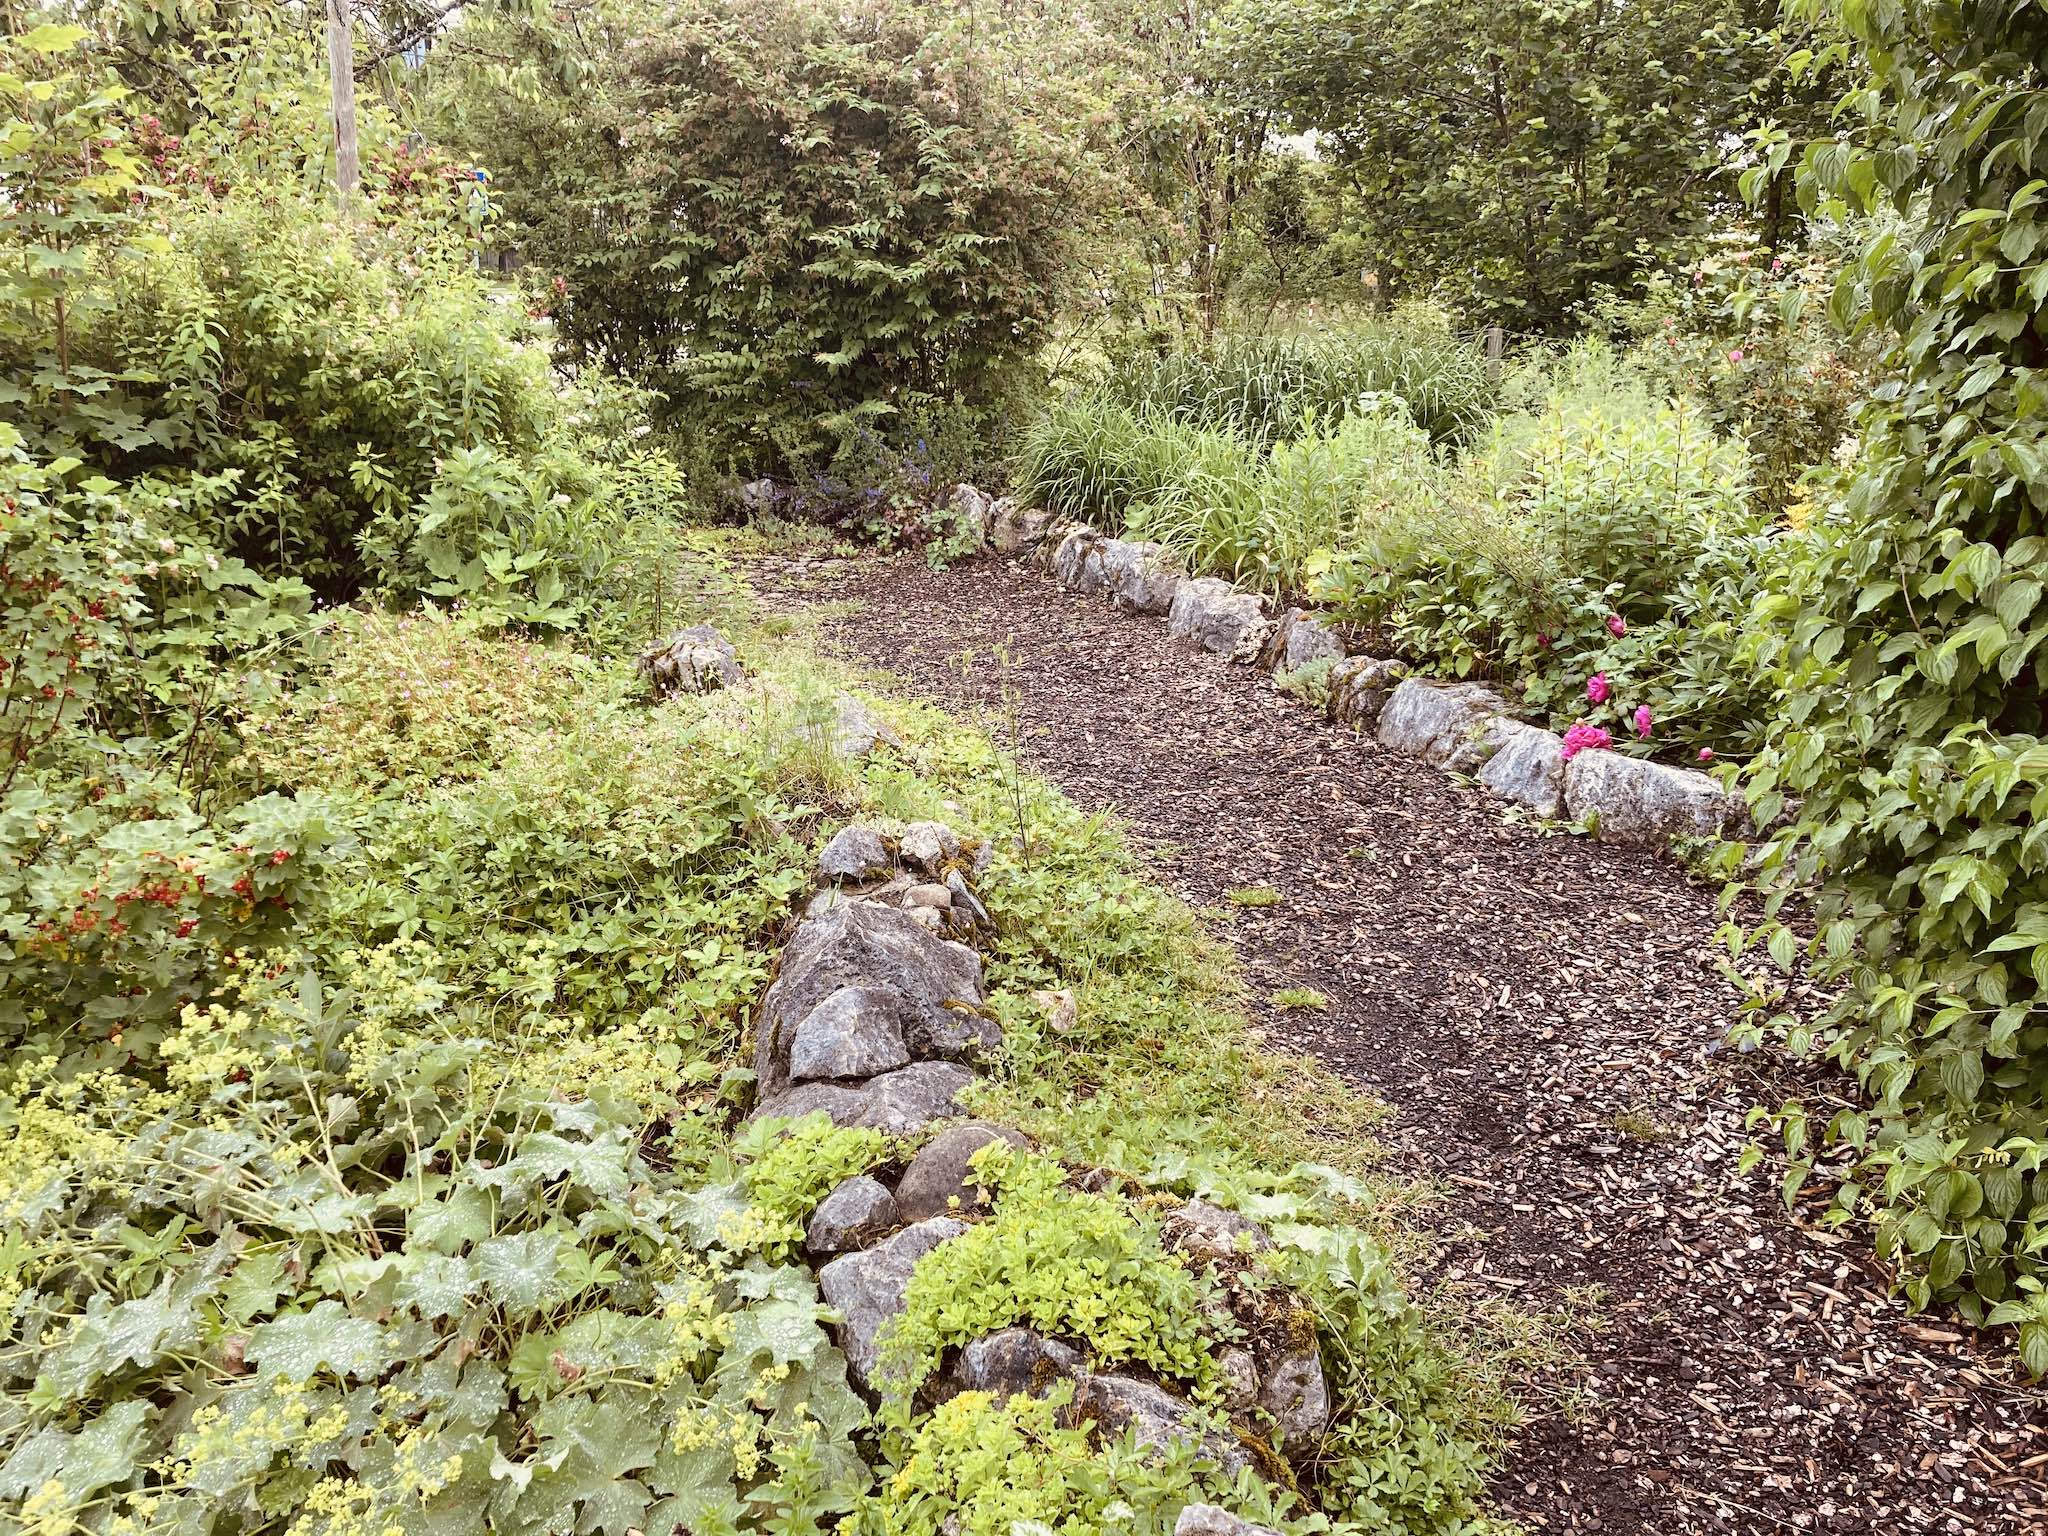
[1545, 1019]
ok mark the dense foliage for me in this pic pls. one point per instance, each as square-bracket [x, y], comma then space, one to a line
[1514, 158]
[803, 222]
[1593, 528]
[1907, 654]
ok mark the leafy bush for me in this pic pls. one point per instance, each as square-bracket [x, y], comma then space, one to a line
[802, 220]
[1910, 744]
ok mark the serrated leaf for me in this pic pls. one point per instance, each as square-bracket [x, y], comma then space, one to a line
[298, 1347]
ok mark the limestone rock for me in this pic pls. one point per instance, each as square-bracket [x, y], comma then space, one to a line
[1240, 1378]
[856, 852]
[966, 905]
[1358, 690]
[694, 660]
[1072, 564]
[975, 506]
[856, 1032]
[1207, 1231]
[1014, 529]
[929, 845]
[858, 1211]
[866, 945]
[1120, 1403]
[898, 1103]
[867, 1290]
[1437, 721]
[857, 730]
[1216, 616]
[939, 1175]
[1527, 766]
[928, 894]
[1642, 804]
[1209, 1520]
[1139, 576]
[1297, 1397]
[1298, 638]
[1007, 1362]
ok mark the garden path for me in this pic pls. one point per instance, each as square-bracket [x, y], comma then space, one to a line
[1543, 1016]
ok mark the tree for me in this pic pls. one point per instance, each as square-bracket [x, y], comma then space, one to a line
[1514, 156]
[803, 221]
[1911, 664]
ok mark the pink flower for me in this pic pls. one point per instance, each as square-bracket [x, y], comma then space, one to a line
[1617, 626]
[1735, 356]
[1706, 754]
[1581, 736]
[1642, 718]
[1597, 690]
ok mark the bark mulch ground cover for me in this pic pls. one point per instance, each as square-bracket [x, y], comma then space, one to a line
[1543, 1017]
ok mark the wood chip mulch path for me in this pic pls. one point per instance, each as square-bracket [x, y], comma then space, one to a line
[1542, 1014]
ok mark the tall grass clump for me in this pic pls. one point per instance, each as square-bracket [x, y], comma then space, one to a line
[1266, 387]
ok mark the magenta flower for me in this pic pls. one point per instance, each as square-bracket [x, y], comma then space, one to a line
[1735, 356]
[1543, 642]
[1617, 626]
[1597, 690]
[1581, 736]
[1706, 754]
[1643, 721]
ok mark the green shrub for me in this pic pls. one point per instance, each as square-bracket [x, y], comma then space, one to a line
[1063, 1263]
[802, 220]
[1910, 744]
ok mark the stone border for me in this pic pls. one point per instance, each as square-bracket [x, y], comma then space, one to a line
[1462, 727]
[878, 1017]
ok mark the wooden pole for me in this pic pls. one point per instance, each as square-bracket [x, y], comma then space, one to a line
[341, 76]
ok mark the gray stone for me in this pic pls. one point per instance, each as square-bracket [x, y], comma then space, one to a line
[1240, 1378]
[863, 944]
[1358, 690]
[1008, 1362]
[858, 730]
[1139, 576]
[1072, 565]
[975, 506]
[931, 919]
[856, 852]
[694, 660]
[758, 496]
[1208, 1520]
[1437, 722]
[1642, 804]
[898, 1103]
[1216, 616]
[858, 1211]
[1016, 530]
[966, 905]
[930, 845]
[939, 1180]
[928, 895]
[1154, 1415]
[1297, 1397]
[1298, 638]
[1203, 1229]
[856, 1032]
[1527, 766]
[867, 1290]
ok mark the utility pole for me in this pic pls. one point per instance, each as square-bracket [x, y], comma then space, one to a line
[341, 75]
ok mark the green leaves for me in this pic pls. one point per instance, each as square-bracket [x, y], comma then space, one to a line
[325, 1338]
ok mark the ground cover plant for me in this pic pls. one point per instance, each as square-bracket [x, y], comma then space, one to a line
[376, 975]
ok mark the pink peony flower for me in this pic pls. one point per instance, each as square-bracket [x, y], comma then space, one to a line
[1597, 690]
[1617, 626]
[1735, 356]
[1706, 754]
[1581, 736]
[1642, 718]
